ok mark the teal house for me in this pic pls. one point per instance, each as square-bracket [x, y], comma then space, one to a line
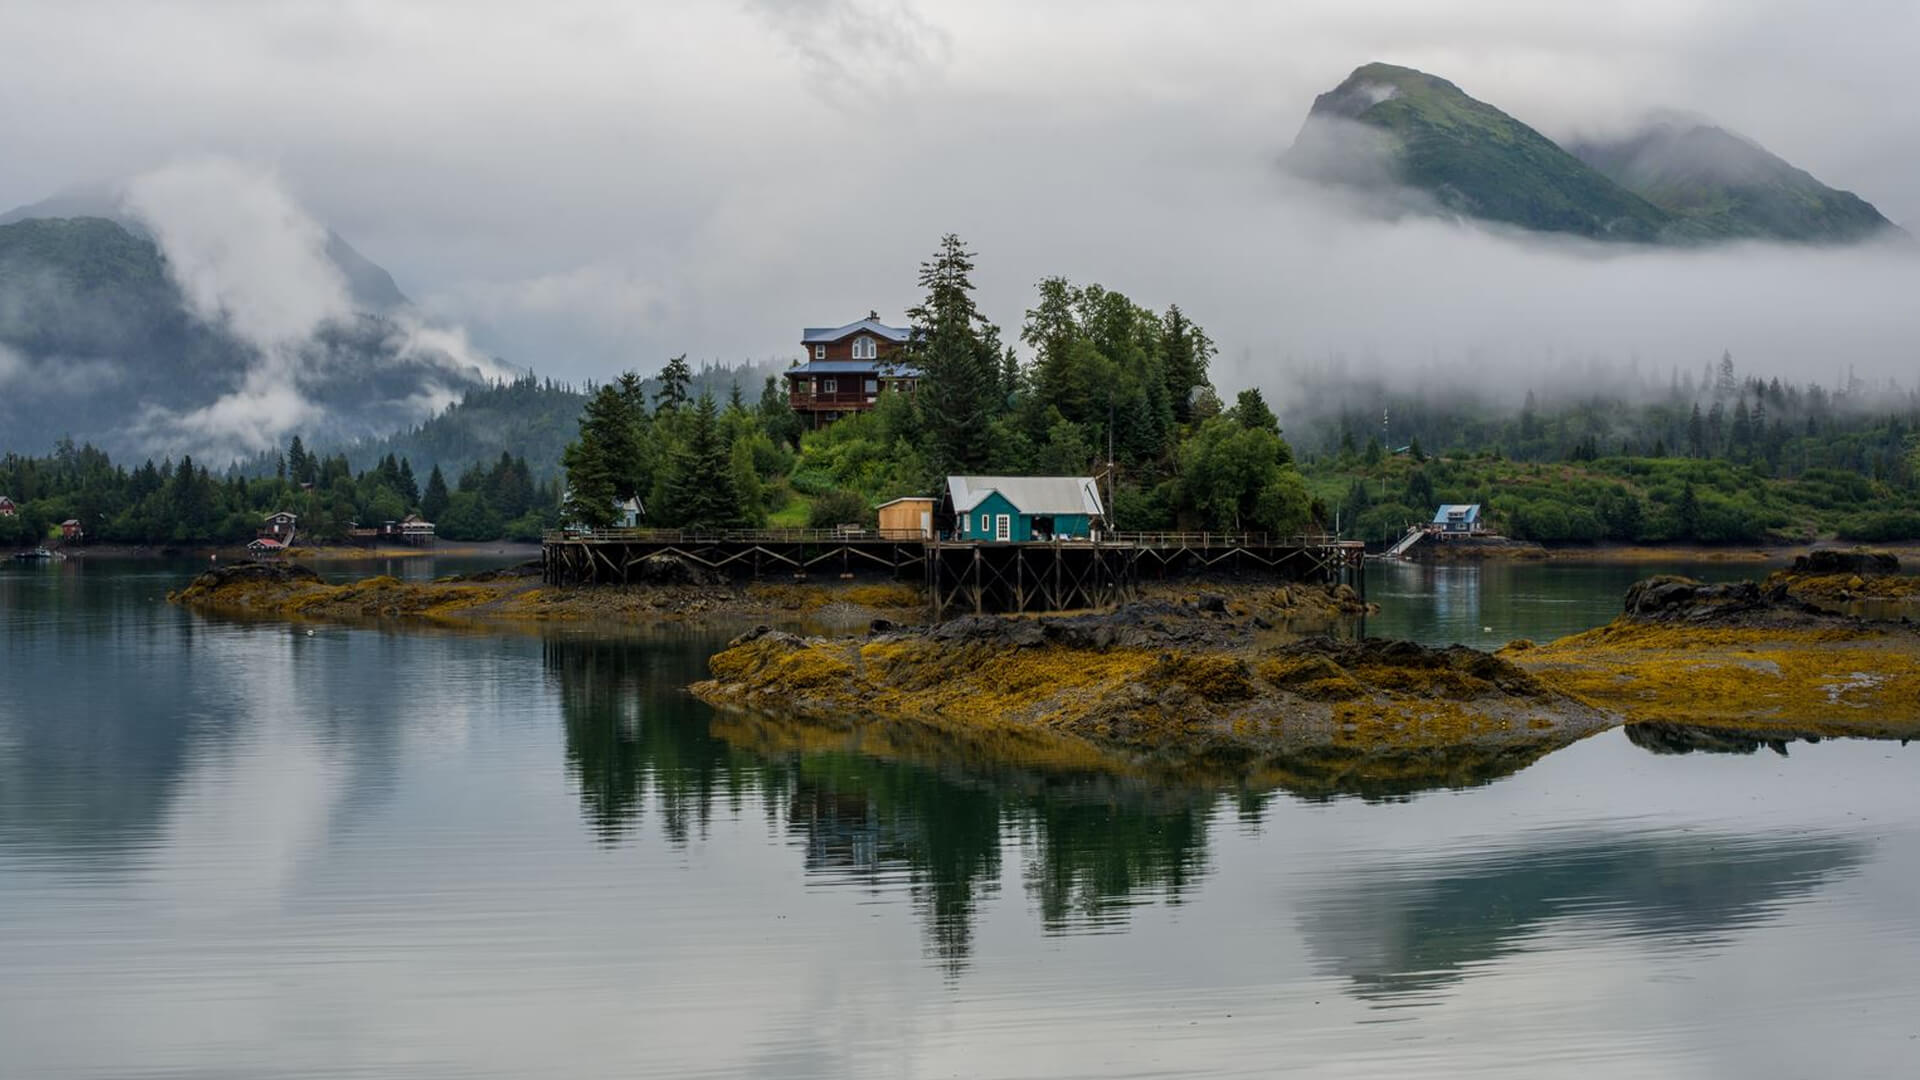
[1020, 509]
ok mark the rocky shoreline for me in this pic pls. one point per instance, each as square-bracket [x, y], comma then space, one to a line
[516, 594]
[1201, 676]
[674, 592]
[1152, 673]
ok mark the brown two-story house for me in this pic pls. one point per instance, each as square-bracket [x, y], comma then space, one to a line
[847, 368]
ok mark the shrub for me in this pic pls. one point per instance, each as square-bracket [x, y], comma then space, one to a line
[1881, 527]
[839, 507]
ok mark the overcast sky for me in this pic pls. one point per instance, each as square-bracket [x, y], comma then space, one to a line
[590, 186]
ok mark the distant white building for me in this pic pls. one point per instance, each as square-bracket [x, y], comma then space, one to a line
[628, 513]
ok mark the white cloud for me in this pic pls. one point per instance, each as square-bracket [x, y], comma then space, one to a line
[598, 187]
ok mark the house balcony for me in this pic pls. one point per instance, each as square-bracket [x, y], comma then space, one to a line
[844, 401]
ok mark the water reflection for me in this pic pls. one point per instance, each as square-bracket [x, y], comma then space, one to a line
[631, 729]
[1402, 933]
[914, 808]
[1663, 738]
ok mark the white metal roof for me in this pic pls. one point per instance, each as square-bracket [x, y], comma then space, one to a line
[824, 335]
[1029, 494]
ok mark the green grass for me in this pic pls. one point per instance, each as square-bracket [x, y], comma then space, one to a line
[791, 516]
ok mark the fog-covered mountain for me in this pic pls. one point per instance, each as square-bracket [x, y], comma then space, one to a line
[1415, 142]
[199, 309]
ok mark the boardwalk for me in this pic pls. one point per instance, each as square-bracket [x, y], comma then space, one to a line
[958, 576]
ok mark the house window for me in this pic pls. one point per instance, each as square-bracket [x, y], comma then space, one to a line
[986, 523]
[873, 386]
[865, 349]
[828, 386]
[819, 352]
[1003, 528]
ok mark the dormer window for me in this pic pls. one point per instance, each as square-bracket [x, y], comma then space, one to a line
[819, 352]
[865, 348]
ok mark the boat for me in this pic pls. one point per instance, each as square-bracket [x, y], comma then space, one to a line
[36, 553]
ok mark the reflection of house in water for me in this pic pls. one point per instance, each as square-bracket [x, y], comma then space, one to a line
[1405, 933]
[843, 836]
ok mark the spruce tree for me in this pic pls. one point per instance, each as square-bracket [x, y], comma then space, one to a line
[700, 483]
[674, 380]
[433, 501]
[1187, 350]
[960, 369]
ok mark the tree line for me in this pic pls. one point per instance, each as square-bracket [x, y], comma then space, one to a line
[1725, 459]
[184, 502]
[1114, 389]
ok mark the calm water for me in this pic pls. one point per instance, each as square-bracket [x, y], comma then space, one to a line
[237, 850]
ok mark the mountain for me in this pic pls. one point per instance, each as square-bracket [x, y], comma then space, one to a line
[98, 343]
[369, 284]
[1413, 141]
[527, 417]
[1725, 186]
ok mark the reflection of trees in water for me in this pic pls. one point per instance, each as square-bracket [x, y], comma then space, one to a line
[1403, 932]
[1095, 857]
[1659, 738]
[632, 732]
[935, 822]
[928, 808]
[863, 821]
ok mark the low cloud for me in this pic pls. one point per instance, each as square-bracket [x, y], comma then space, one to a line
[249, 259]
[855, 50]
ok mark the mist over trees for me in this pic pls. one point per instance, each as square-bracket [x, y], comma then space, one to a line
[1717, 458]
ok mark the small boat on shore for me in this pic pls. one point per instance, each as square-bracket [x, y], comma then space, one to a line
[36, 554]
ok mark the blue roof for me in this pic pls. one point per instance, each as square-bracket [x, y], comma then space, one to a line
[1467, 511]
[855, 367]
[823, 335]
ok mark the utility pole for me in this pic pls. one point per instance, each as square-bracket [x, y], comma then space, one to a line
[1110, 464]
[1386, 440]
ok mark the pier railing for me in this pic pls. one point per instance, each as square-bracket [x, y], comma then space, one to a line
[818, 536]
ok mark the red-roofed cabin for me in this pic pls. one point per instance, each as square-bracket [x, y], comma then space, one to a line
[7, 509]
[70, 530]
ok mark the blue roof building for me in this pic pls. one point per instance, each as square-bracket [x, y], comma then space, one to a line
[1457, 518]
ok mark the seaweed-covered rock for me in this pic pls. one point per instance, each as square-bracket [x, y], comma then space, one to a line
[247, 574]
[1669, 598]
[1854, 561]
[665, 569]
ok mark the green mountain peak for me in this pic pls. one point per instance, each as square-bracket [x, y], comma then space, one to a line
[1421, 142]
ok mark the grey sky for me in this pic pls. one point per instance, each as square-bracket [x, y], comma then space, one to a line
[587, 186]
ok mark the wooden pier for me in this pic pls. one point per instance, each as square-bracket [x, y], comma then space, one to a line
[960, 577]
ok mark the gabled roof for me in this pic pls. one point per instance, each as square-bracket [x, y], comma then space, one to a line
[827, 335]
[855, 367]
[280, 513]
[1029, 494]
[264, 542]
[1466, 511]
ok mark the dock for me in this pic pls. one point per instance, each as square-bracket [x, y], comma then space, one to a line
[959, 576]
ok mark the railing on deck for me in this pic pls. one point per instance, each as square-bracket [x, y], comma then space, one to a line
[818, 536]
[731, 536]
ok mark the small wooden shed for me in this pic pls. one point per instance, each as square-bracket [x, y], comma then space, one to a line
[910, 518]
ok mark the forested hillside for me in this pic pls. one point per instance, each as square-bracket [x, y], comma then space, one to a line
[1724, 459]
